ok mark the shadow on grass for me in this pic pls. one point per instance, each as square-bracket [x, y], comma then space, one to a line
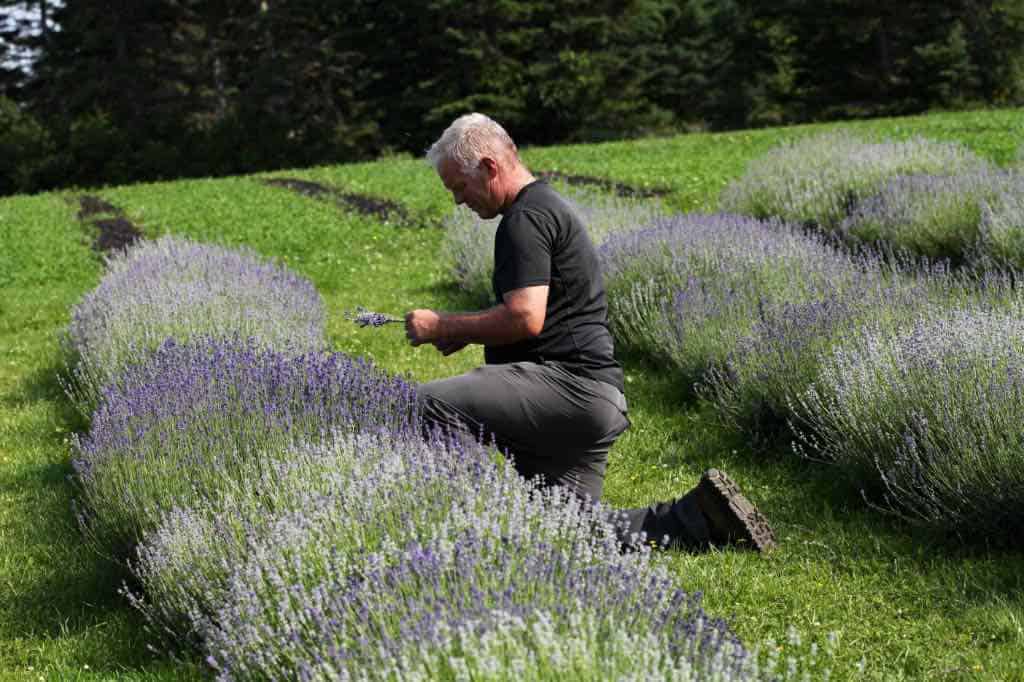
[44, 385]
[67, 591]
[807, 500]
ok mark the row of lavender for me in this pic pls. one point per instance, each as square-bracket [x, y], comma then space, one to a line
[287, 518]
[905, 373]
[908, 376]
[931, 199]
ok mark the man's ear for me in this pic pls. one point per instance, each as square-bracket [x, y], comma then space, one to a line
[489, 166]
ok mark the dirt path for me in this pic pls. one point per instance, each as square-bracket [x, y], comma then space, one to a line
[375, 207]
[618, 188]
[114, 231]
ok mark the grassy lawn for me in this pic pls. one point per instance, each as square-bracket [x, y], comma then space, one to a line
[903, 604]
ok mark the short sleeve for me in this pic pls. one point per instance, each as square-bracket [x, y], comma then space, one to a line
[522, 251]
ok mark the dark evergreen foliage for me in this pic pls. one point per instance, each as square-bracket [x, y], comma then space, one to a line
[143, 89]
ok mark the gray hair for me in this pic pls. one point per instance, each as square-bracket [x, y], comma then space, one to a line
[470, 138]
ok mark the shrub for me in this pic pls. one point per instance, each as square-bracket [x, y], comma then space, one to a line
[817, 180]
[468, 246]
[935, 216]
[178, 428]
[174, 288]
[357, 492]
[1001, 239]
[417, 574]
[780, 357]
[928, 420]
[691, 287]
[26, 149]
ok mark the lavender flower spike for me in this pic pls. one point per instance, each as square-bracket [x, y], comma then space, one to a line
[367, 318]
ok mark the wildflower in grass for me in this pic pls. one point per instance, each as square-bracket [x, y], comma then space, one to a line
[174, 428]
[468, 246]
[938, 216]
[176, 288]
[690, 287]
[1002, 226]
[819, 179]
[929, 421]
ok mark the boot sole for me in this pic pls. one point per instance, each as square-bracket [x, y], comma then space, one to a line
[729, 509]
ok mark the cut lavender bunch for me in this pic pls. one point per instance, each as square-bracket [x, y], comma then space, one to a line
[368, 318]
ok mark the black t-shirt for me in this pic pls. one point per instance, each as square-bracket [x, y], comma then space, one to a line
[541, 240]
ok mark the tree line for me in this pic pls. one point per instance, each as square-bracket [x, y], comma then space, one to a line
[126, 90]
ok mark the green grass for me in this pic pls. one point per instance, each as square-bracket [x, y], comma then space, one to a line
[910, 605]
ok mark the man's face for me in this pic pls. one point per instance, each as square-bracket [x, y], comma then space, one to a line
[471, 189]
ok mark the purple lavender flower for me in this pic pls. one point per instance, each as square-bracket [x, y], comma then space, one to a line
[451, 570]
[817, 179]
[928, 420]
[779, 358]
[1002, 226]
[177, 427]
[180, 289]
[938, 216]
[689, 288]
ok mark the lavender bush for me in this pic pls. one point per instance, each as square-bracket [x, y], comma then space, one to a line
[818, 179]
[418, 574]
[776, 359]
[356, 492]
[468, 246]
[180, 289]
[689, 288]
[930, 420]
[175, 430]
[1001, 239]
[780, 357]
[936, 216]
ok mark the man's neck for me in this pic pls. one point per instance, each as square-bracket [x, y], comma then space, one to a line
[518, 179]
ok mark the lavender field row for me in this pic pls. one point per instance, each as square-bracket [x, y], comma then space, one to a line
[285, 515]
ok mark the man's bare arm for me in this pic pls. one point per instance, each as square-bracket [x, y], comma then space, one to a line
[520, 316]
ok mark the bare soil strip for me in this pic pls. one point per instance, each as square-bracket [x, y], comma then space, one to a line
[618, 188]
[381, 209]
[114, 231]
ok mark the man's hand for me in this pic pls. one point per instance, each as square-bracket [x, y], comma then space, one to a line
[422, 326]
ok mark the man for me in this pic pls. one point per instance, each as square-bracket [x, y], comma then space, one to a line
[551, 392]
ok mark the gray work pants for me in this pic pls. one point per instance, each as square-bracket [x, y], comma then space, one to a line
[552, 422]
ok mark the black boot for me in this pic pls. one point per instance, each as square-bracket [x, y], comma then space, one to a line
[714, 514]
[732, 519]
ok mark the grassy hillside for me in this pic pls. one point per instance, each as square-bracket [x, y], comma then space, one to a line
[902, 604]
